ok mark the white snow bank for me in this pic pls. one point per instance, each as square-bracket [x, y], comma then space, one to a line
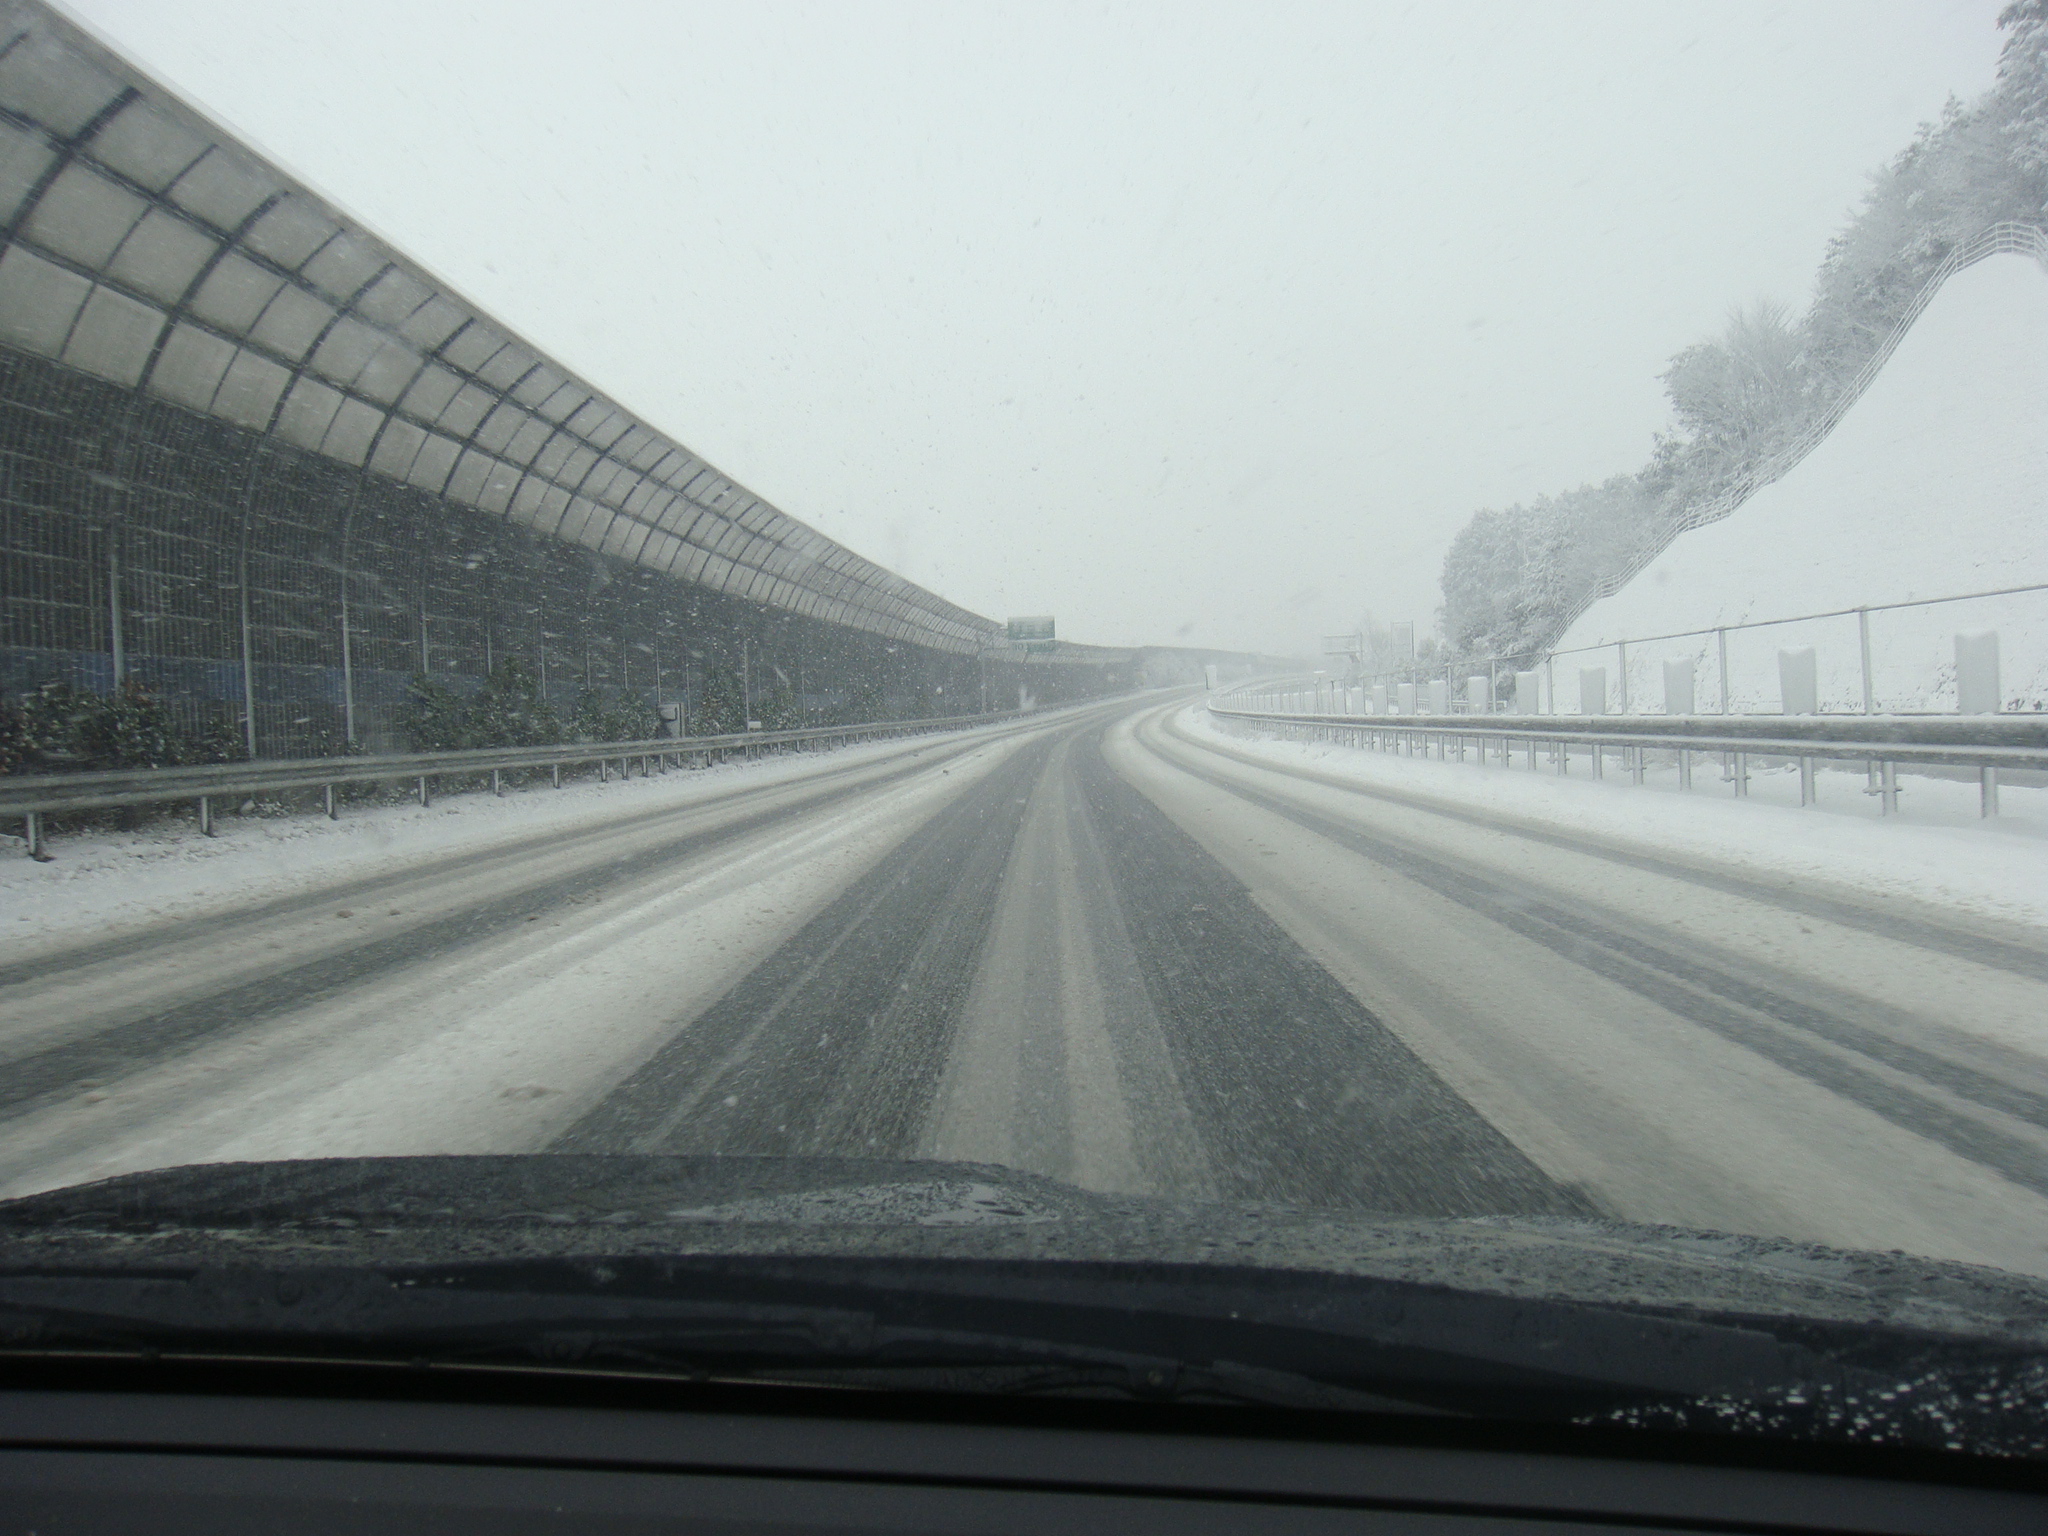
[1938, 851]
[1934, 483]
[103, 882]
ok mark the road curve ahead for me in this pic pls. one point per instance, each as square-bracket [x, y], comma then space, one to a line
[1104, 946]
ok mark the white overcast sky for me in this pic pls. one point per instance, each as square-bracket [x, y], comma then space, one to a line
[1175, 321]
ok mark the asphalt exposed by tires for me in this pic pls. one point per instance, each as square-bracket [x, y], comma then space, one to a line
[1100, 948]
[1828, 1046]
[837, 1042]
[100, 1054]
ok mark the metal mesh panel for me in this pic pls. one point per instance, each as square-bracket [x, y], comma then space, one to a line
[260, 366]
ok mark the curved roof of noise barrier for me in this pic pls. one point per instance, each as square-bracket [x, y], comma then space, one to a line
[144, 245]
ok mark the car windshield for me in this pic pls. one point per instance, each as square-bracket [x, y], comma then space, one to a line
[1383, 645]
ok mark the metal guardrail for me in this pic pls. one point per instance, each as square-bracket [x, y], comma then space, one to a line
[1987, 743]
[31, 797]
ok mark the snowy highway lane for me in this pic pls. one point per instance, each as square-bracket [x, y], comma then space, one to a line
[1111, 947]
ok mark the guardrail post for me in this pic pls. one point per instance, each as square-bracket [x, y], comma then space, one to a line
[604, 771]
[205, 816]
[1739, 772]
[327, 797]
[555, 775]
[1599, 761]
[1808, 791]
[1684, 768]
[497, 785]
[32, 833]
[1634, 756]
[1987, 791]
[425, 798]
[1564, 759]
[1888, 788]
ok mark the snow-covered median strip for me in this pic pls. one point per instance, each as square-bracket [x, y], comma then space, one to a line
[1939, 851]
[103, 882]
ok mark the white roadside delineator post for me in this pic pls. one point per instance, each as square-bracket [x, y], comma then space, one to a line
[1678, 700]
[1678, 687]
[1592, 690]
[1528, 693]
[1799, 694]
[1799, 681]
[1978, 693]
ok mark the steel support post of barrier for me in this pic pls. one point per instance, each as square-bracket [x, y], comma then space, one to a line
[327, 802]
[1987, 791]
[205, 816]
[1740, 773]
[32, 833]
[1888, 788]
[1684, 768]
[497, 784]
[1532, 757]
[425, 797]
[555, 775]
[1808, 791]
[1636, 767]
[604, 771]
[1564, 759]
[1599, 761]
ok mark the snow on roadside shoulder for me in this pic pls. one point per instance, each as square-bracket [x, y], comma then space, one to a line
[1995, 869]
[102, 883]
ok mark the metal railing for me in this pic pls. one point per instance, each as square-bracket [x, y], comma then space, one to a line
[32, 797]
[1885, 743]
[1494, 668]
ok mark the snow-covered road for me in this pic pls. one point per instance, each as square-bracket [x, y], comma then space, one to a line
[1114, 946]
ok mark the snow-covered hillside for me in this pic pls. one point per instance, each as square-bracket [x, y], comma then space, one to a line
[1935, 482]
